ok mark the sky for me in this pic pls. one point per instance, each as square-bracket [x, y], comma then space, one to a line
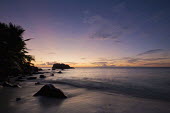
[93, 33]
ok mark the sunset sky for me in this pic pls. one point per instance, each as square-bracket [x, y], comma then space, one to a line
[90, 33]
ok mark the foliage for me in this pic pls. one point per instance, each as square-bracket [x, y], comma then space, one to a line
[13, 52]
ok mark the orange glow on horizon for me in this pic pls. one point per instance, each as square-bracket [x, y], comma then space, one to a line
[117, 65]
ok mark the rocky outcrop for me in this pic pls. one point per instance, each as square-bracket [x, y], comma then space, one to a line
[37, 83]
[18, 99]
[20, 79]
[7, 84]
[60, 72]
[49, 90]
[42, 76]
[31, 78]
[61, 66]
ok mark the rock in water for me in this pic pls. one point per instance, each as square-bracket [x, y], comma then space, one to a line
[20, 80]
[61, 66]
[18, 99]
[37, 83]
[49, 90]
[31, 78]
[17, 85]
[59, 72]
[42, 76]
[7, 84]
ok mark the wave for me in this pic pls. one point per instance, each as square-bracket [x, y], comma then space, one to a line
[121, 88]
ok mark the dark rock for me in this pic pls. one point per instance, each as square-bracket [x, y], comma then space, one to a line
[7, 84]
[59, 72]
[17, 85]
[18, 99]
[20, 80]
[31, 78]
[46, 72]
[42, 76]
[37, 83]
[49, 90]
[39, 69]
[61, 66]
[34, 69]
[20, 77]
[38, 73]
[29, 75]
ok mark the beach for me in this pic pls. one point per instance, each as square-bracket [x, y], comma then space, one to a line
[80, 100]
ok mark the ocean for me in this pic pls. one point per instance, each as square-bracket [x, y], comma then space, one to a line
[150, 83]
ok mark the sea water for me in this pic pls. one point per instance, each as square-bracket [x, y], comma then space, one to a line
[153, 83]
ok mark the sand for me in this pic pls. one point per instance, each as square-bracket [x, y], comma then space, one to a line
[80, 100]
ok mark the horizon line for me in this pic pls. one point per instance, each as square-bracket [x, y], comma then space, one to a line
[119, 67]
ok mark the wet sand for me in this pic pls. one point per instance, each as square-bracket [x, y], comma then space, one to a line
[80, 100]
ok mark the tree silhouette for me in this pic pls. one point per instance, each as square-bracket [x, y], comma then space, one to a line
[13, 58]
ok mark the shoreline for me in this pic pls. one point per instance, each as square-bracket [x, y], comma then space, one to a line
[79, 100]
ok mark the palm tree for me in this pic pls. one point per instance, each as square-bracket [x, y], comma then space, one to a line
[13, 58]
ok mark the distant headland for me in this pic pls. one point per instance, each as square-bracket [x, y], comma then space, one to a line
[61, 66]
